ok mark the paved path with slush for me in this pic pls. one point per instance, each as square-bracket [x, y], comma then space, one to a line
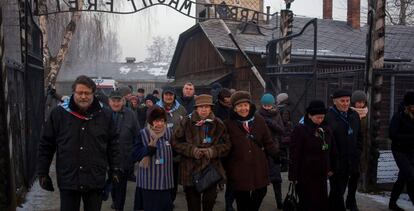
[40, 200]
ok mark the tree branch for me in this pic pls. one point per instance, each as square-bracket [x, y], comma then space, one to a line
[57, 62]
[390, 17]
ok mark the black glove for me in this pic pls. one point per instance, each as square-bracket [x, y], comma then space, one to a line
[116, 176]
[46, 183]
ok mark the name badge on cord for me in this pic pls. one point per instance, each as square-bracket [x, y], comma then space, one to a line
[350, 131]
[170, 124]
[159, 161]
[207, 140]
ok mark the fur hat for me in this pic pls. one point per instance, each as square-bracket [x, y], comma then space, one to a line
[409, 98]
[240, 97]
[341, 93]
[281, 97]
[316, 107]
[154, 113]
[267, 99]
[358, 95]
[203, 99]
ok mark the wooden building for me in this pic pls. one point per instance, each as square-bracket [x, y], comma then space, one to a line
[205, 54]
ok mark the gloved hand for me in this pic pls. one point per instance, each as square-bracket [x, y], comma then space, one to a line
[46, 183]
[197, 153]
[208, 152]
[116, 176]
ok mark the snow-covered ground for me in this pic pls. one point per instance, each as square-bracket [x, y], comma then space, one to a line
[404, 201]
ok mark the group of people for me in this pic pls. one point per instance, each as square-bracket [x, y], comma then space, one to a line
[175, 139]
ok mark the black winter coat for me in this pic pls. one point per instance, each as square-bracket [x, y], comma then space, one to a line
[310, 164]
[188, 103]
[402, 132]
[127, 128]
[275, 124]
[142, 116]
[348, 140]
[221, 111]
[84, 147]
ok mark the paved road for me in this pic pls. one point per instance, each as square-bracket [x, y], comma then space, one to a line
[39, 200]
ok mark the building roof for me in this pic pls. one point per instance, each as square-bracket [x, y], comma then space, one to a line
[334, 39]
[123, 72]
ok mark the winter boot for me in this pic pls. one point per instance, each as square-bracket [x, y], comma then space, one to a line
[393, 206]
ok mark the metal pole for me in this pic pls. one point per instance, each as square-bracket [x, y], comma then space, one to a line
[253, 67]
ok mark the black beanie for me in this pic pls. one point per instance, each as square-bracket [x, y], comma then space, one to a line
[316, 107]
[152, 98]
[341, 93]
[409, 98]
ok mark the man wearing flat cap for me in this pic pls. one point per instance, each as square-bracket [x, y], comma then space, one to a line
[127, 127]
[346, 127]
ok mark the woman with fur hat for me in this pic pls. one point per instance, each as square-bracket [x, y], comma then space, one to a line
[247, 167]
[401, 133]
[153, 151]
[201, 139]
[311, 148]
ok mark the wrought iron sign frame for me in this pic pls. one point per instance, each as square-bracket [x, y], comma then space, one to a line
[185, 7]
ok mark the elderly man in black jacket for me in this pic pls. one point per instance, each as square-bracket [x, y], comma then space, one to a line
[83, 135]
[127, 128]
[346, 128]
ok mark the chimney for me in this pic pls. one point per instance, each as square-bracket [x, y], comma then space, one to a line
[353, 16]
[327, 9]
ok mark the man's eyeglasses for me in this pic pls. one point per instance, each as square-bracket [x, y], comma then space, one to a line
[84, 93]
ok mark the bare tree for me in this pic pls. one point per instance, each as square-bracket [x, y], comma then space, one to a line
[170, 48]
[161, 49]
[95, 40]
[53, 64]
[400, 12]
[156, 50]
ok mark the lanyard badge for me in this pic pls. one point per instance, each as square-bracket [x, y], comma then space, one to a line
[159, 161]
[350, 131]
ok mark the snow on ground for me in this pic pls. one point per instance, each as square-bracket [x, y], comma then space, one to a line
[404, 201]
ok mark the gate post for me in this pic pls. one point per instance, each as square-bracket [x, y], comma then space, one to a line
[7, 197]
[285, 46]
[375, 61]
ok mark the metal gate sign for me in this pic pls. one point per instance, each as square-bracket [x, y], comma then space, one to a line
[186, 7]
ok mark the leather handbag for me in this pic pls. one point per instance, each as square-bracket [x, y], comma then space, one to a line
[291, 200]
[205, 178]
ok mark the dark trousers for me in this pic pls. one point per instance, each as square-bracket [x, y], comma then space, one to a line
[70, 200]
[196, 200]
[338, 184]
[157, 200]
[119, 190]
[405, 162]
[352, 188]
[229, 197]
[397, 189]
[138, 200]
[175, 172]
[277, 189]
[250, 200]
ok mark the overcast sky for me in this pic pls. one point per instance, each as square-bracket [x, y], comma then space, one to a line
[136, 30]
